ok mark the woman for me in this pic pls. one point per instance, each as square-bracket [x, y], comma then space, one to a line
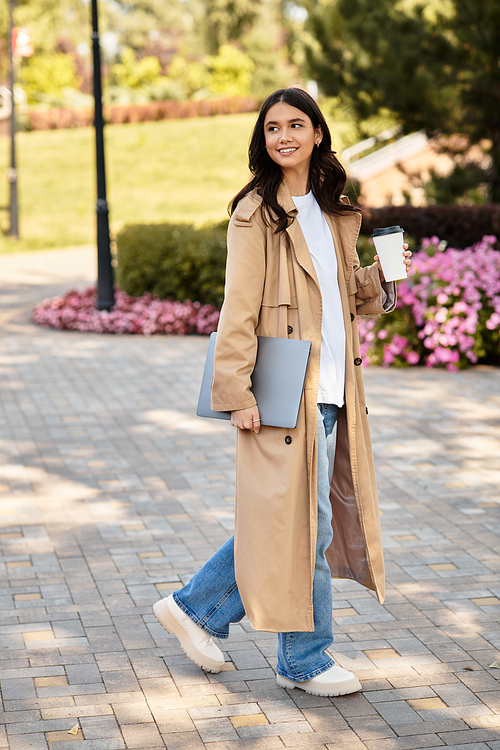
[292, 271]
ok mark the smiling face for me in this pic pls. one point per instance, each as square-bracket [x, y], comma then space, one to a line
[290, 137]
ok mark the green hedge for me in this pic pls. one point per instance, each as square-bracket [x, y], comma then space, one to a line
[183, 262]
[173, 260]
[460, 226]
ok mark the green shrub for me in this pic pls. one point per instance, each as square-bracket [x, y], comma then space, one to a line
[133, 73]
[190, 75]
[173, 260]
[48, 74]
[230, 72]
[366, 250]
[183, 262]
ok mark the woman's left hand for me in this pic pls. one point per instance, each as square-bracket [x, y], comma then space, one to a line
[407, 261]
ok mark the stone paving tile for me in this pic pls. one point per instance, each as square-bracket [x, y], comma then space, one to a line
[112, 494]
[325, 719]
[370, 728]
[29, 742]
[469, 735]
[142, 735]
[106, 744]
[185, 741]
[279, 728]
[214, 730]
[431, 727]
[397, 712]
[456, 695]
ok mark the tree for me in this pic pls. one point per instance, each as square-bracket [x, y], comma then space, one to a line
[140, 24]
[48, 74]
[227, 20]
[435, 65]
[266, 43]
[230, 72]
[133, 73]
[137, 35]
[50, 20]
[147, 26]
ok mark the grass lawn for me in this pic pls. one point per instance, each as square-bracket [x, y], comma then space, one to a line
[171, 170]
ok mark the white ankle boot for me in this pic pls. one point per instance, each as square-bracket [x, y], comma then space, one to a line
[195, 642]
[335, 681]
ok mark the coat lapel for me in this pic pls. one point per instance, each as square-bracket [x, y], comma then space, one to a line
[294, 232]
[345, 245]
[301, 250]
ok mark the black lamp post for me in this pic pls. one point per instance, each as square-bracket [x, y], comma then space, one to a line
[105, 287]
[14, 225]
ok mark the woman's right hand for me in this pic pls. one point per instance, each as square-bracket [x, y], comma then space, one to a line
[246, 419]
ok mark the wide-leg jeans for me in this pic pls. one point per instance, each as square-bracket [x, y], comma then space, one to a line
[212, 600]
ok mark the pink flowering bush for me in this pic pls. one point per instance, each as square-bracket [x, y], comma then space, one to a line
[447, 314]
[76, 311]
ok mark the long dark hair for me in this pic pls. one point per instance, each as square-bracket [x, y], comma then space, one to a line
[327, 176]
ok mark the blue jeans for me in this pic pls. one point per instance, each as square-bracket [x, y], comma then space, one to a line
[212, 600]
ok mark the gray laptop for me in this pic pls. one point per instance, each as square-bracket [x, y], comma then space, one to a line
[277, 381]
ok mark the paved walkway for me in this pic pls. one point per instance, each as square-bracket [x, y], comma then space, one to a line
[112, 493]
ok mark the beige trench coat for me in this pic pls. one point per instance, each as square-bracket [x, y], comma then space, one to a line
[272, 290]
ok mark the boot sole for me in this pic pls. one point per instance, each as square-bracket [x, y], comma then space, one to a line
[351, 686]
[173, 626]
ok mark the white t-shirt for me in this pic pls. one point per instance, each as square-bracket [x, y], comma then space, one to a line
[320, 243]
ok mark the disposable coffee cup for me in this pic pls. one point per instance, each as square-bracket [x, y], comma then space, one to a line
[388, 243]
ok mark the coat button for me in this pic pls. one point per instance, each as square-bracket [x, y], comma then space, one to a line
[290, 329]
[352, 317]
[358, 361]
[288, 440]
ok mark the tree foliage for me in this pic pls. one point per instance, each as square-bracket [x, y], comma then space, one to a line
[139, 24]
[227, 20]
[146, 25]
[191, 75]
[48, 74]
[133, 73]
[152, 49]
[435, 65]
[267, 44]
[230, 72]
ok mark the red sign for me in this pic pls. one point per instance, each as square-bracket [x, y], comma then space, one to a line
[22, 42]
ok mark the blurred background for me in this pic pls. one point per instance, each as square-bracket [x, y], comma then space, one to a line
[410, 89]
